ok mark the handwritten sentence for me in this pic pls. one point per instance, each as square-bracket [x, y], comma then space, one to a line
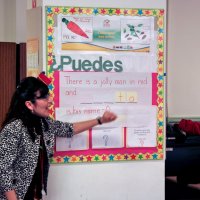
[87, 111]
[120, 96]
[106, 81]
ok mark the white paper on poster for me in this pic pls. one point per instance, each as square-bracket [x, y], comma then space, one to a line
[117, 33]
[107, 138]
[121, 50]
[142, 133]
[77, 142]
[138, 116]
[130, 62]
[127, 115]
[84, 23]
[74, 113]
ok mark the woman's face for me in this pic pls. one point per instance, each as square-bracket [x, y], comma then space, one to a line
[41, 105]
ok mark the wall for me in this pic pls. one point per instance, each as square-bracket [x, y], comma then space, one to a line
[182, 95]
[13, 21]
[183, 68]
[2, 20]
[21, 21]
[139, 180]
[7, 20]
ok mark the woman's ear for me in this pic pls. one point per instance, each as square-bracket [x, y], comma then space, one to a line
[29, 105]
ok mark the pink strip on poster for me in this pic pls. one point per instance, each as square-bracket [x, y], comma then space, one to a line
[56, 88]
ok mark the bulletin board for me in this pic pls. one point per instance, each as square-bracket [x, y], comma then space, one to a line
[107, 59]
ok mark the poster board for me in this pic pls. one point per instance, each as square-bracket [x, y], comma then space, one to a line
[33, 57]
[107, 59]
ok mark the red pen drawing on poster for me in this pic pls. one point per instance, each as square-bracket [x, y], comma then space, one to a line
[33, 3]
[74, 28]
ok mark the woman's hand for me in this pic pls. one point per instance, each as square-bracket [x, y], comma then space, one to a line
[11, 195]
[108, 117]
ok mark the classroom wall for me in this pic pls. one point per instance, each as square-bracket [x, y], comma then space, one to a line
[13, 21]
[2, 20]
[133, 180]
[21, 21]
[7, 20]
[183, 65]
[92, 180]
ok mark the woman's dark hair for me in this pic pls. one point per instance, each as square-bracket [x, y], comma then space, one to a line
[26, 91]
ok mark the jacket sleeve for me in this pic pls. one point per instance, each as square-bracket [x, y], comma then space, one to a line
[61, 129]
[9, 139]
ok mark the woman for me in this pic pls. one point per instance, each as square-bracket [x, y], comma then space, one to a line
[27, 140]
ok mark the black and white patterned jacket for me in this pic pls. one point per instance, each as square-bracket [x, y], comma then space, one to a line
[19, 154]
